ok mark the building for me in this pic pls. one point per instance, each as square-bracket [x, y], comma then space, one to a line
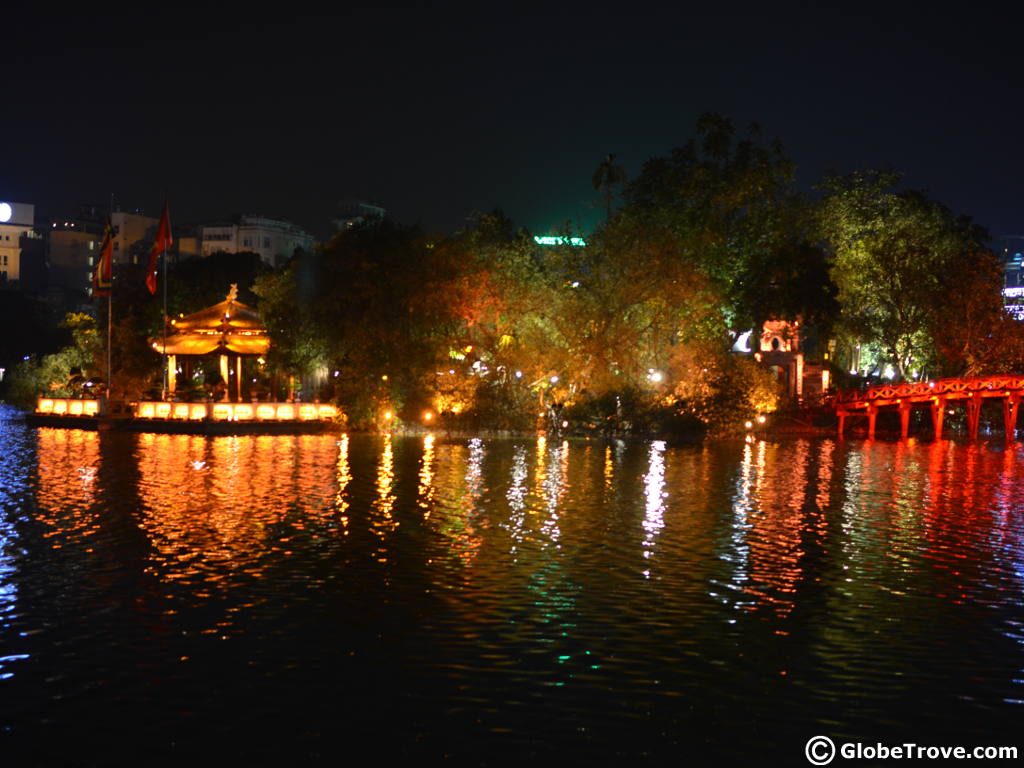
[781, 349]
[74, 244]
[354, 212]
[134, 234]
[1010, 251]
[274, 241]
[20, 244]
[72, 253]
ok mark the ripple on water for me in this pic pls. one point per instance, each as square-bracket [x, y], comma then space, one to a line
[473, 597]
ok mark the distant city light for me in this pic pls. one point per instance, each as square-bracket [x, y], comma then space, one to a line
[559, 240]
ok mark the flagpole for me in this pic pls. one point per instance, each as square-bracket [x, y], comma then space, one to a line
[161, 246]
[110, 312]
[167, 373]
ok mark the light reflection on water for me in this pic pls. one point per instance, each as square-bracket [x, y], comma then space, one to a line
[515, 597]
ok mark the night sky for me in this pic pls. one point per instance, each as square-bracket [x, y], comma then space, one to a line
[437, 112]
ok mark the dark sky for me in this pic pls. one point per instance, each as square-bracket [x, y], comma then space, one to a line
[439, 111]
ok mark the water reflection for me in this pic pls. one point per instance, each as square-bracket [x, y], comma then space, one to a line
[425, 492]
[655, 495]
[69, 460]
[213, 508]
[495, 584]
[341, 503]
[516, 495]
[383, 520]
[553, 468]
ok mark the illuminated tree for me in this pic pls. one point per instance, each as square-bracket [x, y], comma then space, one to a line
[973, 332]
[728, 204]
[893, 254]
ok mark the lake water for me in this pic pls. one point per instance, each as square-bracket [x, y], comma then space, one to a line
[294, 600]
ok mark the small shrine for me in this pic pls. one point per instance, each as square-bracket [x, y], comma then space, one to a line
[229, 329]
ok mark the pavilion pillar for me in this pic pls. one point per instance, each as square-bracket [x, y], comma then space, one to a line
[904, 419]
[1010, 403]
[225, 377]
[238, 378]
[973, 416]
[842, 421]
[872, 418]
[938, 408]
[172, 374]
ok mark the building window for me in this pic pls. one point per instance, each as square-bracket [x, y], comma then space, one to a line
[266, 242]
[247, 242]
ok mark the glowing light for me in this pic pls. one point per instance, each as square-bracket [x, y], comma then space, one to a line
[519, 374]
[554, 379]
[577, 242]
[748, 424]
[388, 415]
[565, 424]
[761, 419]
[655, 376]
[427, 415]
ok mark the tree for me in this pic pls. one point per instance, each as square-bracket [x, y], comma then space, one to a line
[728, 204]
[892, 252]
[608, 174]
[973, 332]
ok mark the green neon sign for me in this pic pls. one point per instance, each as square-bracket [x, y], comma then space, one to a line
[579, 242]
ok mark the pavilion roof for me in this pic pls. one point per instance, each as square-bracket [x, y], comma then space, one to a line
[229, 326]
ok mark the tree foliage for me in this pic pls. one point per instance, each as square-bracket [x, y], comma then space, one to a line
[895, 254]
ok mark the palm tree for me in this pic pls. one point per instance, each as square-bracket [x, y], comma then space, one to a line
[608, 174]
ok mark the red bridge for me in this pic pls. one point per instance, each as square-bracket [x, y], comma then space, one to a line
[938, 396]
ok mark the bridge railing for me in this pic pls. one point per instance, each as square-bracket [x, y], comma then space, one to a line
[892, 391]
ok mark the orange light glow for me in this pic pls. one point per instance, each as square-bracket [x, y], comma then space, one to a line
[243, 412]
[307, 412]
[264, 411]
[222, 411]
[181, 410]
[146, 411]
[285, 412]
[75, 408]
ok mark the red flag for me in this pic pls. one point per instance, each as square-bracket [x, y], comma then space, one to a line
[160, 245]
[103, 275]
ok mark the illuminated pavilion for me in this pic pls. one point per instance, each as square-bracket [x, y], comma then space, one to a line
[229, 329]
